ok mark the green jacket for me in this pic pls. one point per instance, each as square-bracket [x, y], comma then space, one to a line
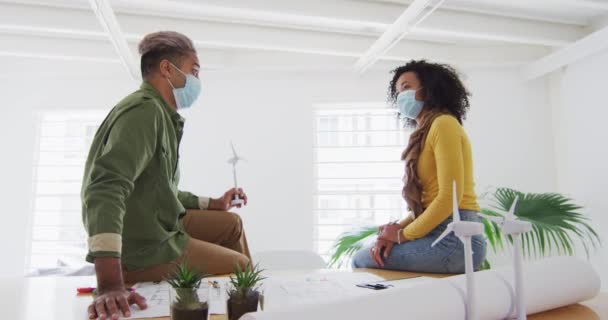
[130, 202]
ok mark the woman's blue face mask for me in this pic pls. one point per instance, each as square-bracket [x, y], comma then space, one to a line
[408, 106]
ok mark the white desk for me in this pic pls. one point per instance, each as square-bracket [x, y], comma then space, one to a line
[55, 298]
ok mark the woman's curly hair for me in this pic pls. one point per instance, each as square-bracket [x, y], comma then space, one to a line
[443, 90]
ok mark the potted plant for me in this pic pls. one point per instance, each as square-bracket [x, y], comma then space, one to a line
[244, 296]
[556, 222]
[185, 302]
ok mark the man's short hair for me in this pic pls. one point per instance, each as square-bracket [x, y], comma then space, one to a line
[157, 46]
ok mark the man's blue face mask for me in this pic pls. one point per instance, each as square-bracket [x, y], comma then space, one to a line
[185, 97]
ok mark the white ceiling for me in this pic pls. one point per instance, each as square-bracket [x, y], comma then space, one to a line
[297, 34]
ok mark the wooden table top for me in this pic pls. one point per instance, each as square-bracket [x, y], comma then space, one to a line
[55, 298]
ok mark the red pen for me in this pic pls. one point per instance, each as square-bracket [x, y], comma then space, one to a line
[86, 290]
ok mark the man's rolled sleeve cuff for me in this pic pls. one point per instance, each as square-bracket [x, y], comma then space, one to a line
[105, 242]
[203, 203]
[91, 256]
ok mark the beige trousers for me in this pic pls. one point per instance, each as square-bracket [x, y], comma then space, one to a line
[217, 244]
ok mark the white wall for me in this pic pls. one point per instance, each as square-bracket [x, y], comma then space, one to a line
[269, 118]
[579, 120]
[17, 132]
[510, 132]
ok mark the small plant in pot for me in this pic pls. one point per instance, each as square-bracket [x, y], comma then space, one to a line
[244, 295]
[185, 302]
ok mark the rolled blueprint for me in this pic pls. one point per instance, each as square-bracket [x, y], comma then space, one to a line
[549, 284]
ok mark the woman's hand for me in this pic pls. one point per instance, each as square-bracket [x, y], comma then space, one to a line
[391, 232]
[380, 228]
[381, 249]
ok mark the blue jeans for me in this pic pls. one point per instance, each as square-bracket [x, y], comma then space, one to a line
[418, 255]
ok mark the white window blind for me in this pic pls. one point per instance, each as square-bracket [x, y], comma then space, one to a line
[57, 233]
[358, 171]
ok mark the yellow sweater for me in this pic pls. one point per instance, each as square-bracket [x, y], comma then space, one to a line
[445, 157]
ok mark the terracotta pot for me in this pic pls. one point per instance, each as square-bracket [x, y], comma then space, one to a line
[238, 306]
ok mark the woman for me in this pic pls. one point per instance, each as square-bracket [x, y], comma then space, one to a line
[433, 100]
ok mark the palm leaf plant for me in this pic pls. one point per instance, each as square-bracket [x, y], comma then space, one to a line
[244, 296]
[557, 227]
[185, 282]
[349, 243]
[557, 224]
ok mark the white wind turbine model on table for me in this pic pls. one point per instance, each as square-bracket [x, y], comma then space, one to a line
[234, 160]
[464, 230]
[510, 225]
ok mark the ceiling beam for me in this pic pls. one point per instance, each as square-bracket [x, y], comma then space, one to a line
[442, 26]
[392, 35]
[63, 33]
[593, 43]
[57, 46]
[105, 15]
[472, 6]
[466, 25]
[61, 57]
[587, 4]
[205, 12]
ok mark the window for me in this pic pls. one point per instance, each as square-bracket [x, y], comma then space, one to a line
[58, 235]
[358, 170]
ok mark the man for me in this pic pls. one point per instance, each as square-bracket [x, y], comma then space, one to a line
[139, 224]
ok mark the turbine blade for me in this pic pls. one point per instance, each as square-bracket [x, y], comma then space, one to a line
[233, 150]
[511, 214]
[443, 235]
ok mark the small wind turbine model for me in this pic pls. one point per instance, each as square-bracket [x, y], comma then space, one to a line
[464, 230]
[234, 160]
[512, 226]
